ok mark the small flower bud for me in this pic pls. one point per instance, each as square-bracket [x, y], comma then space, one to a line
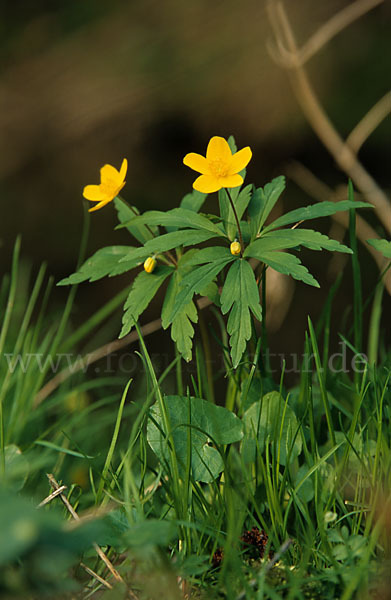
[235, 248]
[149, 264]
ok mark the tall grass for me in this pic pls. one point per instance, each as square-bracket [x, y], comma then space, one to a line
[315, 478]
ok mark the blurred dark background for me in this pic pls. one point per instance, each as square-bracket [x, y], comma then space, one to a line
[86, 83]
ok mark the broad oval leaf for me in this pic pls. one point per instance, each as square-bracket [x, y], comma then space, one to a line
[195, 423]
[271, 420]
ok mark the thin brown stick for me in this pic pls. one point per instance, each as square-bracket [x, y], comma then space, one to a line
[320, 122]
[368, 124]
[101, 352]
[55, 485]
[96, 576]
[53, 495]
[327, 31]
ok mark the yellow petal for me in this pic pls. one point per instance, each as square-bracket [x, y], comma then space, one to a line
[123, 169]
[109, 173]
[117, 190]
[231, 181]
[93, 193]
[218, 149]
[100, 205]
[196, 162]
[207, 184]
[240, 160]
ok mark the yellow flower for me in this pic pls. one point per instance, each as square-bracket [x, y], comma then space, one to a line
[220, 168]
[111, 183]
[150, 264]
[235, 248]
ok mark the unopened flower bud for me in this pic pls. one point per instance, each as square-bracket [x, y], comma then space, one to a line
[149, 264]
[235, 248]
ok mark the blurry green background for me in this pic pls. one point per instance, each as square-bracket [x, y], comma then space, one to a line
[86, 83]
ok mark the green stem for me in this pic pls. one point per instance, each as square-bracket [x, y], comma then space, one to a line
[237, 222]
[3, 334]
[207, 354]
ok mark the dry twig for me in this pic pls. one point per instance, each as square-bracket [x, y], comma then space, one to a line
[327, 31]
[54, 484]
[317, 117]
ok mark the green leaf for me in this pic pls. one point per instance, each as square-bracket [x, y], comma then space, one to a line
[202, 423]
[211, 291]
[382, 246]
[198, 279]
[209, 255]
[262, 203]
[152, 532]
[285, 263]
[306, 489]
[291, 238]
[168, 241]
[313, 211]
[143, 290]
[126, 213]
[271, 420]
[241, 202]
[232, 144]
[177, 217]
[106, 261]
[240, 295]
[16, 468]
[182, 331]
[193, 201]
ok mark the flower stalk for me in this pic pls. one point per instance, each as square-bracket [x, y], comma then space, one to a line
[237, 222]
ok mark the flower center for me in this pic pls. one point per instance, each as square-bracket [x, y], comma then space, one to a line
[218, 167]
[108, 186]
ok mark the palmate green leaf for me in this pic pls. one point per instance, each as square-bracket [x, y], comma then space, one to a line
[200, 422]
[177, 217]
[291, 238]
[241, 202]
[262, 203]
[208, 255]
[240, 295]
[313, 211]
[382, 246]
[199, 278]
[143, 290]
[271, 420]
[168, 241]
[125, 213]
[182, 330]
[106, 261]
[285, 263]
